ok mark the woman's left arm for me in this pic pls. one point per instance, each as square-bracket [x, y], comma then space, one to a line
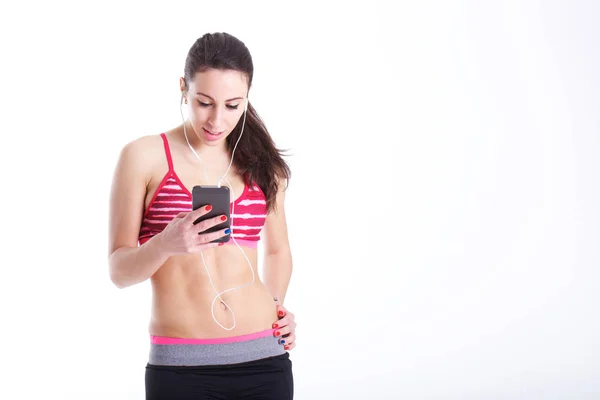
[277, 269]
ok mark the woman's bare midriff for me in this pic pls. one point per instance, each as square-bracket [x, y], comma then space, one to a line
[182, 295]
[181, 291]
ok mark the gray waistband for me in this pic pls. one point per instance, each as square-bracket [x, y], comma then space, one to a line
[214, 354]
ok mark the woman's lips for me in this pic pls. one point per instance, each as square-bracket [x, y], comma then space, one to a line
[212, 136]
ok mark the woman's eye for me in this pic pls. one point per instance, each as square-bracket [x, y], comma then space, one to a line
[231, 107]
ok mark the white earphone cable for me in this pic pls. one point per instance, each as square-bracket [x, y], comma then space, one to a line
[218, 294]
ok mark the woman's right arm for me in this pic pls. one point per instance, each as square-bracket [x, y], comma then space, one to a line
[128, 263]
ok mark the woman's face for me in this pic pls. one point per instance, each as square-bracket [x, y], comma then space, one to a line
[216, 101]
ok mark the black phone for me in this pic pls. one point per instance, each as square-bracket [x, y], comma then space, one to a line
[218, 198]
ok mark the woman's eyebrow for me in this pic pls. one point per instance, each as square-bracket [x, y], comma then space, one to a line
[235, 98]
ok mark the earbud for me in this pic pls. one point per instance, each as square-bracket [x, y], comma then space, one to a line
[246, 106]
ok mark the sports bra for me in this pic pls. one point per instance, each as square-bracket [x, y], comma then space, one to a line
[172, 197]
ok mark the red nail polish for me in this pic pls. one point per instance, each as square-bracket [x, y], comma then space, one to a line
[286, 347]
[281, 313]
[221, 244]
[277, 333]
[208, 207]
[223, 218]
[275, 326]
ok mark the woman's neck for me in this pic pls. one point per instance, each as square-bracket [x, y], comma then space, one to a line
[209, 155]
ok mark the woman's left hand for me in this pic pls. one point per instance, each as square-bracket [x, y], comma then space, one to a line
[285, 327]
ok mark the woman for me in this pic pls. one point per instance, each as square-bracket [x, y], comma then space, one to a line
[216, 331]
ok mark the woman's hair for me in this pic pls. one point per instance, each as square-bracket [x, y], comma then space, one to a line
[256, 156]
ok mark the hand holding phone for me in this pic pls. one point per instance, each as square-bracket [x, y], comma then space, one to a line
[219, 199]
[183, 236]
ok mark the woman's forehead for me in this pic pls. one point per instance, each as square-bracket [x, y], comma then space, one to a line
[220, 84]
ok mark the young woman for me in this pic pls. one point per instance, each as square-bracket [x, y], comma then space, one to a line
[216, 330]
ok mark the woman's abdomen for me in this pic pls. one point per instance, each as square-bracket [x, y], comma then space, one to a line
[182, 297]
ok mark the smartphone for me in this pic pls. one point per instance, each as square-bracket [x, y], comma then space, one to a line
[218, 198]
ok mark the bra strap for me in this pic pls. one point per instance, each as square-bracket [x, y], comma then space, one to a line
[167, 151]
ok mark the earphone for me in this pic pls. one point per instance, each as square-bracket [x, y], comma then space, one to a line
[222, 178]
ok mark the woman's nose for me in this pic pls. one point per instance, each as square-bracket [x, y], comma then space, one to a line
[216, 119]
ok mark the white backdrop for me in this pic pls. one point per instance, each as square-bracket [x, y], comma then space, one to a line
[443, 208]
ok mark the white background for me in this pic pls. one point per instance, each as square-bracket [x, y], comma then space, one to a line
[443, 208]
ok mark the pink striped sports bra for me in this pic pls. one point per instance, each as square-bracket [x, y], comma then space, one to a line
[172, 197]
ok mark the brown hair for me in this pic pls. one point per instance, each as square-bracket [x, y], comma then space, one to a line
[256, 155]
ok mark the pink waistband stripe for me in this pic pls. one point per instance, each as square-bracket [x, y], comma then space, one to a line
[232, 339]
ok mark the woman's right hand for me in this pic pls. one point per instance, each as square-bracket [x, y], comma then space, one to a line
[181, 236]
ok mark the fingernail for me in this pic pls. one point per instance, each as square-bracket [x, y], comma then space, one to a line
[275, 326]
[281, 313]
[223, 218]
[227, 231]
[277, 333]
[286, 347]
[281, 341]
[208, 207]
[221, 244]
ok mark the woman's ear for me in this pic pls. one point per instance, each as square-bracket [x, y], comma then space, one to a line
[182, 87]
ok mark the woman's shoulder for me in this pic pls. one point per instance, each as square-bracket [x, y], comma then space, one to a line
[145, 148]
[145, 153]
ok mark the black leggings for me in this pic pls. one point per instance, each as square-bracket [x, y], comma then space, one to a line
[267, 379]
